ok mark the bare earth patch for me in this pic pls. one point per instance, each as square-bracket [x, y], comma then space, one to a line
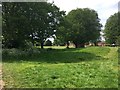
[2, 84]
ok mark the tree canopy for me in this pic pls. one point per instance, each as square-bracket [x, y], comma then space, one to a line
[80, 26]
[112, 29]
[29, 22]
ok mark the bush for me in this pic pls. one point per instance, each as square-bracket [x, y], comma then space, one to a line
[19, 54]
[5, 52]
[32, 51]
[11, 52]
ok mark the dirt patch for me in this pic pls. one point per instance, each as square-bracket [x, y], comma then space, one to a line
[2, 84]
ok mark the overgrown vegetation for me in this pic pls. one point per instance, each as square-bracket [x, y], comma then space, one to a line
[92, 67]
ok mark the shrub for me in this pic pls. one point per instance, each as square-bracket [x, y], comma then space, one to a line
[19, 54]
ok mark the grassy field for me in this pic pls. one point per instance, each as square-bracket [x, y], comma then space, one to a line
[91, 67]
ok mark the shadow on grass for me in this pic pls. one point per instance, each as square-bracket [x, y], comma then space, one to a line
[54, 56]
[119, 55]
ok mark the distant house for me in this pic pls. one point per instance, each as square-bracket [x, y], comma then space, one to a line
[107, 44]
[101, 43]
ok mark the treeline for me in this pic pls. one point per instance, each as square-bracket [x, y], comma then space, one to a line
[26, 23]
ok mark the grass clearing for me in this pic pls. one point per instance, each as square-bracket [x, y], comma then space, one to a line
[92, 67]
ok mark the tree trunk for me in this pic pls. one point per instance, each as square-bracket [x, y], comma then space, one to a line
[67, 44]
[32, 39]
[77, 45]
[82, 45]
[95, 44]
[33, 42]
[42, 45]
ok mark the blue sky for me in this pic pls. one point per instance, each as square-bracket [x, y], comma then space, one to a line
[104, 8]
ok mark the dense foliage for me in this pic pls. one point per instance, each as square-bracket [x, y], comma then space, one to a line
[112, 29]
[80, 26]
[29, 22]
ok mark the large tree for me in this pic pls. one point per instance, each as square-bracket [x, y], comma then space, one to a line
[83, 26]
[112, 29]
[29, 22]
[13, 24]
[48, 17]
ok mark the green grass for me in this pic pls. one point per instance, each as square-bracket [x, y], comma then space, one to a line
[92, 67]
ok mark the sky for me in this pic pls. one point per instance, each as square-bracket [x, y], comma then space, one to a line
[104, 8]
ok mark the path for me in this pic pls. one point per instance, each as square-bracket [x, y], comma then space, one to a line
[1, 81]
[113, 51]
[113, 56]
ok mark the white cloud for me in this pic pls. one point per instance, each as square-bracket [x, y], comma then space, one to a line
[119, 6]
[105, 8]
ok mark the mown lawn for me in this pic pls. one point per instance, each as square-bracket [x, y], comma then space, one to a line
[92, 67]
